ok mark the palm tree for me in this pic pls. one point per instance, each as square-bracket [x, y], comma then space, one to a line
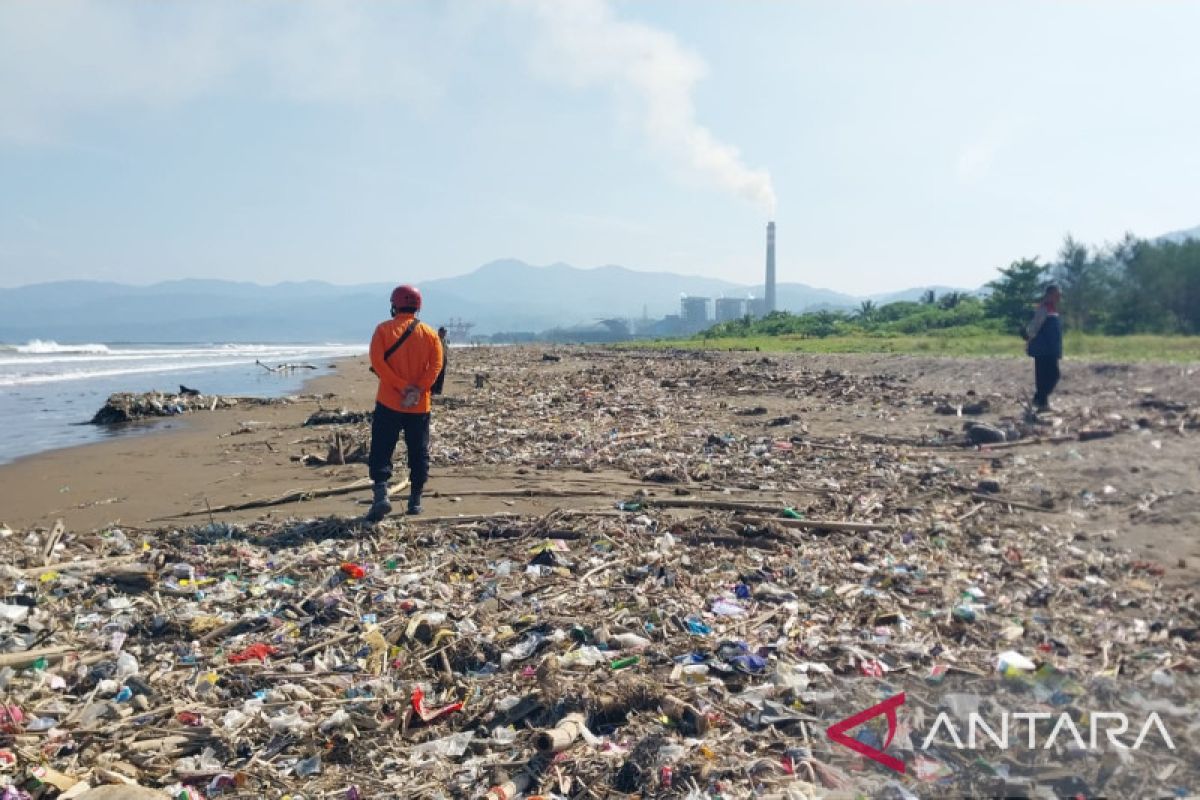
[928, 297]
[866, 311]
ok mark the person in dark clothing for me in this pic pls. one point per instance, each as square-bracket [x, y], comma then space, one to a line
[1044, 344]
[441, 378]
[407, 356]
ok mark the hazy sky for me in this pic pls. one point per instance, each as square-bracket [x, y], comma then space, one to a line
[907, 142]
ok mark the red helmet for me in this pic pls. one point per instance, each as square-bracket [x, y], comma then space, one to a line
[406, 297]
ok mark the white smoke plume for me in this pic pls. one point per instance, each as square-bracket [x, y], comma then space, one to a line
[585, 44]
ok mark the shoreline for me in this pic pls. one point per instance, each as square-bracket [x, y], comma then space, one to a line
[236, 455]
[86, 471]
[156, 426]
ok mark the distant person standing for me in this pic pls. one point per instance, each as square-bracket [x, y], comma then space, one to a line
[407, 356]
[1043, 339]
[441, 378]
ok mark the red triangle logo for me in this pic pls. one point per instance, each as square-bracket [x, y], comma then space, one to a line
[837, 732]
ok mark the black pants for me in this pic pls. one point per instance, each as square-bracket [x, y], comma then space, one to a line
[1045, 375]
[386, 427]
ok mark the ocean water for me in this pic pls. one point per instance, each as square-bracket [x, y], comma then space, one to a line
[47, 389]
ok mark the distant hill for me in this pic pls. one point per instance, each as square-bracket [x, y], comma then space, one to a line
[1180, 237]
[505, 295]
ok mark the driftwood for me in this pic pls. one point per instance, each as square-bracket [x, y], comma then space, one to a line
[462, 518]
[283, 367]
[52, 539]
[295, 496]
[685, 715]
[1005, 501]
[91, 565]
[719, 505]
[523, 493]
[1025, 442]
[821, 524]
[164, 745]
[26, 658]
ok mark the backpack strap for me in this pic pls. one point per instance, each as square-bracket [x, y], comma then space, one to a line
[407, 332]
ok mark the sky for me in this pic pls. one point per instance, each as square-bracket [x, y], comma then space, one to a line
[897, 143]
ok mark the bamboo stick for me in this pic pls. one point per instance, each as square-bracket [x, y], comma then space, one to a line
[29, 656]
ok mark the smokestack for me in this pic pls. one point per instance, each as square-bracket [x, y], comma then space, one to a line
[770, 267]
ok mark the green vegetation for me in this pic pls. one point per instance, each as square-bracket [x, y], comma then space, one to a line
[1144, 347]
[1135, 300]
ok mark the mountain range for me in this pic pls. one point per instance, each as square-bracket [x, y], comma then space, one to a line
[500, 296]
[1179, 237]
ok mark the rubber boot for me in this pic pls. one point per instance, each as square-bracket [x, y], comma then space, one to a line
[380, 507]
[414, 500]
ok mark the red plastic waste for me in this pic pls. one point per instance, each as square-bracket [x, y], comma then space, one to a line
[430, 714]
[255, 652]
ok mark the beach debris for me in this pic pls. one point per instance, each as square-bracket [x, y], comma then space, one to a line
[705, 597]
[295, 496]
[128, 407]
[340, 416]
[284, 367]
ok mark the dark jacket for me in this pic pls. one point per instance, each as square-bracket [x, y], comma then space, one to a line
[441, 378]
[1047, 341]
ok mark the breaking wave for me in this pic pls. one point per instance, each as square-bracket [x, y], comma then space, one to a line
[38, 346]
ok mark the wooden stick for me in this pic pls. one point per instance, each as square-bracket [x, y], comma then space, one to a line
[164, 745]
[327, 643]
[821, 524]
[93, 564]
[524, 493]
[291, 497]
[55, 534]
[1004, 501]
[1023, 442]
[685, 713]
[501, 515]
[55, 653]
[720, 505]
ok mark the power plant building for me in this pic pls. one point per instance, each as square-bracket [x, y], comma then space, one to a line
[694, 311]
[730, 308]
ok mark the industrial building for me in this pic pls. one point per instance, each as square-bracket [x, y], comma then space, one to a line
[694, 311]
[730, 308]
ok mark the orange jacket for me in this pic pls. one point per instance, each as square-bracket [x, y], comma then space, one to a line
[415, 363]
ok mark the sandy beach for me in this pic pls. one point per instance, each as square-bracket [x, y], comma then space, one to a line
[171, 475]
[704, 559]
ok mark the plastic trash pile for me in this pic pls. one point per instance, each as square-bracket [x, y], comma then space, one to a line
[762, 574]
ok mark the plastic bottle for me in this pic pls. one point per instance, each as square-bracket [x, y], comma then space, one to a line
[521, 650]
[630, 641]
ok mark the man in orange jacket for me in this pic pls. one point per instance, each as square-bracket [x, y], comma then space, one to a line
[406, 354]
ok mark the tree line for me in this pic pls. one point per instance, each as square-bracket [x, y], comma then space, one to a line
[1133, 286]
